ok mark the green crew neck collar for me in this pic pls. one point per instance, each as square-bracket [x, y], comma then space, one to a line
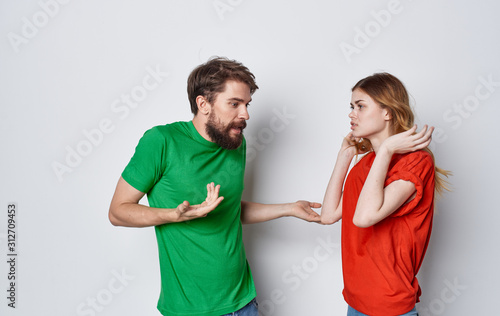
[200, 138]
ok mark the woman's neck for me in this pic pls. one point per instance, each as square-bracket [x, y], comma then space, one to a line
[378, 139]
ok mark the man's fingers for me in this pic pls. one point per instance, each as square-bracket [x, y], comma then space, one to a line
[217, 202]
[204, 210]
[312, 216]
[183, 207]
[196, 211]
[315, 218]
[210, 188]
[212, 192]
[315, 205]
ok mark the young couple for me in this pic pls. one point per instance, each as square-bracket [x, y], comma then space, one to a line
[385, 202]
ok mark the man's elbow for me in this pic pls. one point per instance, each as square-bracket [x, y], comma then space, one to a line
[113, 219]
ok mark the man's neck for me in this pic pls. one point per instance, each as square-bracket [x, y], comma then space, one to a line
[200, 124]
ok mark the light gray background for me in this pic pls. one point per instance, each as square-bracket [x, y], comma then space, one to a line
[64, 66]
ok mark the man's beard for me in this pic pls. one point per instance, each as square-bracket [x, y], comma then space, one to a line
[220, 133]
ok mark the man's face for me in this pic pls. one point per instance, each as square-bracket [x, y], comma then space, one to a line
[228, 115]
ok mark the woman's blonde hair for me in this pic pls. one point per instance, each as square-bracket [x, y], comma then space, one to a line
[390, 93]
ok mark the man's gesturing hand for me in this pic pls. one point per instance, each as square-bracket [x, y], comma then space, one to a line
[186, 212]
[304, 210]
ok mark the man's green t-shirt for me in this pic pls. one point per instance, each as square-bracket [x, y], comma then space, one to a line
[204, 270]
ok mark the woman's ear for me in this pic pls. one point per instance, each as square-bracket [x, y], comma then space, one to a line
[203, 106]
[387, 114]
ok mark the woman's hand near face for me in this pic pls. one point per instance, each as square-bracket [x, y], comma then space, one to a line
[350, 146]
[408, 141]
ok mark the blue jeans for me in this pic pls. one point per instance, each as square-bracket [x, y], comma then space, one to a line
[352, 312]
[251, 309]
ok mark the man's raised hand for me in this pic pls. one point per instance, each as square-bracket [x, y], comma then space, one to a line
[186, 212]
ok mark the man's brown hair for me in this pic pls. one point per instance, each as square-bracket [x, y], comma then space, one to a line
[209, 79]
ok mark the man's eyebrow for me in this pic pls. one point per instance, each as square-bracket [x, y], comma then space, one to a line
[239, 100]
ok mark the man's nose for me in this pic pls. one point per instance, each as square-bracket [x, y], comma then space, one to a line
[244, 113]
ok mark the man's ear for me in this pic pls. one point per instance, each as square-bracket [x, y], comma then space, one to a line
[203, 106]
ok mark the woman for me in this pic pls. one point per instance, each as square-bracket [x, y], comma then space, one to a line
[387, 202]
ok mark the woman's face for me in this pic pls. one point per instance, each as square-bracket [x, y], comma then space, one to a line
[368, 118]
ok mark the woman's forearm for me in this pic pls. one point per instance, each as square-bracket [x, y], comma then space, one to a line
[332, 208]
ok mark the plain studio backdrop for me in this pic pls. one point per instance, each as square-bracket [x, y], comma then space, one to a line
[81, 81]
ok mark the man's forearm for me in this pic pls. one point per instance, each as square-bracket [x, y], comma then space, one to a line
[137, 215]
[252, 213]
[125, 209]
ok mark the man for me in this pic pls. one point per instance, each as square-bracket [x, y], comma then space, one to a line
[204, 270]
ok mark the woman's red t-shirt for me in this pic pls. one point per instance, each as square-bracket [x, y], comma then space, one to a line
[380, 263]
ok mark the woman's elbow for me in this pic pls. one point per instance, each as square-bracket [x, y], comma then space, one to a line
[362, 221]
[329, 219]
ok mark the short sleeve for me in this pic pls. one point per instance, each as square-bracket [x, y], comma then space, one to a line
[418, 168]
[147, 164]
